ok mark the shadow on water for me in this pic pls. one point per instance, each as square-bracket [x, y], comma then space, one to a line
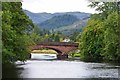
[10, 71]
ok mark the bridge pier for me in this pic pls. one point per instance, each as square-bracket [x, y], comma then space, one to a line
[29, 56]
[62, 56]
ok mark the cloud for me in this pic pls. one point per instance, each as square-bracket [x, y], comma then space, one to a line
[53, 6]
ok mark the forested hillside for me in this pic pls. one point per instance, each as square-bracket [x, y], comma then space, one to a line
[70, 29]
[58, 21]
[65, 22]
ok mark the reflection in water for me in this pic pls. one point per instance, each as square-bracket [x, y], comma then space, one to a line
[45, 66]
[43, 57]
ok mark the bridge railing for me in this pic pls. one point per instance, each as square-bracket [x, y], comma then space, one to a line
[58, 43]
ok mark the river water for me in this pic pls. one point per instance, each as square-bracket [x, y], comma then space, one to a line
[46, 66]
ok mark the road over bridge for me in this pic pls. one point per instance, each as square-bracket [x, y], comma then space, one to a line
[62, 48]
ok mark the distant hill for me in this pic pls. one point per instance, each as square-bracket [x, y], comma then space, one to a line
[38, 17]
[70, 29]
[79, 15]
[58, 21]
[41, 17]
[65, 22]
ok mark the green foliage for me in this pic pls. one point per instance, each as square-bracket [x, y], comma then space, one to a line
[91, 42]
[105, 8]
[16, 28]
[74, 36]
[112, 38]
[53, 37]
[100, 40]
[37, 34]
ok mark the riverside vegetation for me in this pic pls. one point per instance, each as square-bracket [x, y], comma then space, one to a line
[99, 40]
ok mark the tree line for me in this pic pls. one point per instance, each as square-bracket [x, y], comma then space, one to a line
[100, 39]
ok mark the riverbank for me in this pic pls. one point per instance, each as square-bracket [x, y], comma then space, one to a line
[53, 52]
[44, 51]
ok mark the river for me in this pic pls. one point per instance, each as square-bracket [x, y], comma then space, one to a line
[46, 66]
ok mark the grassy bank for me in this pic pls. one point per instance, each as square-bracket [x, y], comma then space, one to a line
[53, 52]
[44, 51]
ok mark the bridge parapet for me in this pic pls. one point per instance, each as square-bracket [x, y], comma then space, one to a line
[58, 44]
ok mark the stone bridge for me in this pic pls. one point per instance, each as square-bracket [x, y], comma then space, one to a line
[62, 48]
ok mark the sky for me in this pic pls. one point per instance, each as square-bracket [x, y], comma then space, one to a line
[53, 6]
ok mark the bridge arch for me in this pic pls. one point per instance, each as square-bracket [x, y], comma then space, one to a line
[47, 47]
[62, 48]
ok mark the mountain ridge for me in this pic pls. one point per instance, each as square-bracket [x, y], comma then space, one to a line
[41, 17]
[59, 21]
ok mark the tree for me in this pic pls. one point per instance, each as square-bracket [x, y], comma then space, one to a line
[74, 36]
[100, 40]
[16, 28]
[53, 37]
[91, 42]
[105, 8]
[112, 38]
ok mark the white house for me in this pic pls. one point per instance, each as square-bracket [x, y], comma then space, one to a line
[66, 40]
